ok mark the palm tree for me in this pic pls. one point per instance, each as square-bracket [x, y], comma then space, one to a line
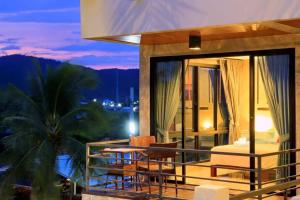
[46, 123]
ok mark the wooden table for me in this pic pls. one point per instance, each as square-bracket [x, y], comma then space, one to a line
[122, 152]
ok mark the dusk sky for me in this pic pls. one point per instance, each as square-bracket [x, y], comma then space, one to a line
[51, 29]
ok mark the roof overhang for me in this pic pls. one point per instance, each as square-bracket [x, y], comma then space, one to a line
[171, 21]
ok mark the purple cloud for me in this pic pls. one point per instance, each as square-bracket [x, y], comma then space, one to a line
[62, 15]
[11, 47]
[51, 29]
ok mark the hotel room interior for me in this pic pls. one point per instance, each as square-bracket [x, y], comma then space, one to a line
[216, 114]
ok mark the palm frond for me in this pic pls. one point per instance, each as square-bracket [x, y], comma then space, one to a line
[46, 123]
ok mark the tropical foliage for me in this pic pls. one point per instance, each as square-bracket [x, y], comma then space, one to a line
[45, 123]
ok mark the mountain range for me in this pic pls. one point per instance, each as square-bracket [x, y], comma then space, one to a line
[113, 83]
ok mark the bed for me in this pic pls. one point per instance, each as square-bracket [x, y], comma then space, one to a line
[241, 162]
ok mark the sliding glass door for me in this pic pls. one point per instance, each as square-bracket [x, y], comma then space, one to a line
[274, 116]
[246, 99]
[205, 110]
[168, 101]
[167, 98]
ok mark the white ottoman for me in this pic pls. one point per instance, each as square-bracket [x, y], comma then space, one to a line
[296, 197]
[211, 192]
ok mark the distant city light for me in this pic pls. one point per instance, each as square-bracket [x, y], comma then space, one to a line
[119, 106]
[94, 100]
[132, 127]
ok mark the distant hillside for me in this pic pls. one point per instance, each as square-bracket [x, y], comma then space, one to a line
[16, 69]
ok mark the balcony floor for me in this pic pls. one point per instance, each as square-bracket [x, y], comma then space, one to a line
[168, 194]
[204, 172]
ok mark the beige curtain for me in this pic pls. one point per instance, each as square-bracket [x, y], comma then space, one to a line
[167, 96]
[275, 75]
[231, 75]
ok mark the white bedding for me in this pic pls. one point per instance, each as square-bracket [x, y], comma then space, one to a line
[243, 161]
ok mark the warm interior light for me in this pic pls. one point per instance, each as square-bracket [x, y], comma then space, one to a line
[263, 123]
[207, 125]
[254, 27]
[195, 48]
[194, 42]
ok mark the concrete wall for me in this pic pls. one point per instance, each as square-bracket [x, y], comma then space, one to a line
[208, 47]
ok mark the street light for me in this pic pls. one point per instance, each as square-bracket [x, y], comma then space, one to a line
[132, 127]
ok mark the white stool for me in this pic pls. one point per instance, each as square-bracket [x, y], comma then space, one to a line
[211, 192]
[296, 197]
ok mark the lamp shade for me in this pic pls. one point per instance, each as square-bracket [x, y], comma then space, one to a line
[194, 42]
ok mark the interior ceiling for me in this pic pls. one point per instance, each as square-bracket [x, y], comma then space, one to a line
[215, 33]
[212, 62]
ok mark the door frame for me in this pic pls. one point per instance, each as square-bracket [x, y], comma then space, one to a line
[251, 54]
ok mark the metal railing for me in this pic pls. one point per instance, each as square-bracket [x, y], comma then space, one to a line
[101, 181]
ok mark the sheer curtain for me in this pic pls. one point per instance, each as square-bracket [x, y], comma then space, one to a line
[275, 75]
[167, 96]
[231, 75]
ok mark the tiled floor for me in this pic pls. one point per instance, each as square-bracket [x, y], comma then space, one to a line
[204, 172]
[169, 193]
[185, 194]
[186, 191]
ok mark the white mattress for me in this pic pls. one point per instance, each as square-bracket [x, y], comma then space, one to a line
[243, 161]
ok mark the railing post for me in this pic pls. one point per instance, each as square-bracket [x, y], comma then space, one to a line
[259, 176]
[87, 158]
[285, 195]
[197, 155]
[75, 189]
[160, 180]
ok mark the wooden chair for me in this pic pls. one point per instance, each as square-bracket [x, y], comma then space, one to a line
[151, 166]
[118, 169]
[142, 141]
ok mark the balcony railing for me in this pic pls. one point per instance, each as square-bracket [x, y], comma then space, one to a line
[136, 182]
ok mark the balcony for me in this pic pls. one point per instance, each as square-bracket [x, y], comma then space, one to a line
[125, 178]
